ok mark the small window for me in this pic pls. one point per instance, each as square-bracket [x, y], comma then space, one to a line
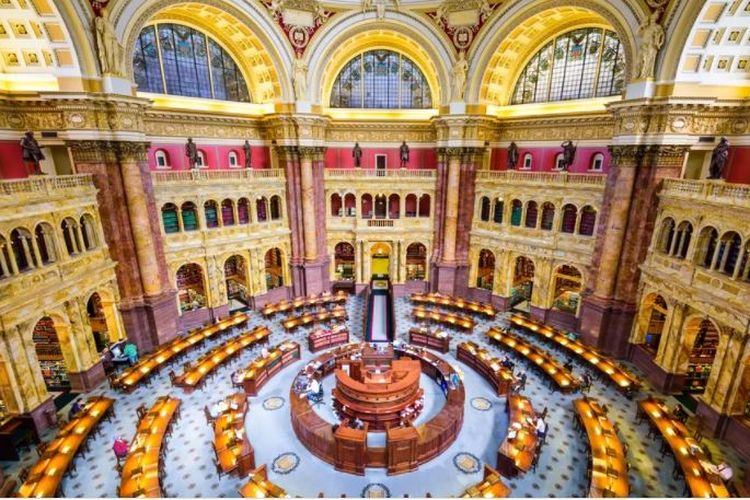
[597, 162]
[202, 159]
[233, 159]
[527, 160]
[559, 159]
[162, 159]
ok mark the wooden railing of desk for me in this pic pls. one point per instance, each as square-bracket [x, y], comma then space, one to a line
[260, 487]
[337, 314]
[301, 302]
[677, 436]
[596, 359]
[489, 367]
[492, 486]
[430, 338]
[260, 371]
[234, 454]
[324, 339]
[46, 475]
[151, 363]
[140, 476]
[210, 361]
[438, 299]
[517, 454]
[548, 365]
[609, 467]
[450, 319]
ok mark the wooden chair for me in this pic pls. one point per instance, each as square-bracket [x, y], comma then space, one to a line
[141, 411]
[41, 447]
[172, 377]
[209, 418]
[23, 475]
[219, 471]
[112, 379]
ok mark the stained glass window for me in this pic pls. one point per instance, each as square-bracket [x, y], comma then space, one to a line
[183, 61]
[579, 64]
[381, 79]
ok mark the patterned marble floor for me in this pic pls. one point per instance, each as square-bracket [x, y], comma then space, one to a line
[190, 472]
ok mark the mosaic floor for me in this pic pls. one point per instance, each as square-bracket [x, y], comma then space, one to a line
[190, 472]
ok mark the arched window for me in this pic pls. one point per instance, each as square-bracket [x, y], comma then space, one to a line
[410, 205]
[729, 253]
[527, 161]
[162, 158]
[6, 268]
[499, 207]
[88, 232]
[486, 269]
[569, 216]
[597, 162]
[381, 79]
[367, 206]
[559, 158]
[275, 207]
[20, 241]
[337, 208]
[169, 218]
[424, 205]
[344, 261]
[190, 63]
[744, 273]
[350, 205]
[532, 213]
[666, 235]
[274, 269]
[233, 159]
[682, 243]
[191, 290]
[516, 210]
[484, 209]
[416, 261]
[568, 286]
[706, 246]
[588, 221]
[201, 163]
[212, 214]
[579, 64]
[394, 206]
[548, 216]
[380, 207]
[189, 216]
[45, 242]
[227, 212]
[261, 208]
[243, 211]
[70, 235]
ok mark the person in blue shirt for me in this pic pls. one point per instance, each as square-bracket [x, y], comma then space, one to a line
[75, 409]
[131, 352]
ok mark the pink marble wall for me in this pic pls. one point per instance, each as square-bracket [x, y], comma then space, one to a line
[543, 158]
[419, 158]
[217, 156]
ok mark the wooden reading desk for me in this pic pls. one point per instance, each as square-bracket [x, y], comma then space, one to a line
[234, 453]
[324, 339]
[261, 370]
[520, 447]
[450, 319]
[260, 487]
[434, 339]
[438, 299]
[337, 314]
[301, 302]
[492, 486]
[488, 366]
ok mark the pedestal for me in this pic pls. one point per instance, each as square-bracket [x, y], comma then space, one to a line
[151, 322]
[670, 383]
[606, 324]
[87, 380]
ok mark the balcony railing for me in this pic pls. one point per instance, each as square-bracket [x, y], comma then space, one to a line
[46, 185]
[546, 178]
[705, 190]
[206, 175]
[359, 173]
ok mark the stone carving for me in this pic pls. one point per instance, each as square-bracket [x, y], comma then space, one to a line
[32, 153]
[512, 156]
[107, 45]
[719, 159]
[298, 19]
[459, 78]
[299, 77]
[191, 151]
[569, 155]
[404, 154]
[248, 154]
[651, 36]
[379, 6]
[357, 155]
[462, 19]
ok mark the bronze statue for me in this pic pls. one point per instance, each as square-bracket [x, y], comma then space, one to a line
[191, 151]
[248, 154]
[719, 159]
[404, 149]
[32, 153]
[357, 155]
[512, 156]
[569, 155]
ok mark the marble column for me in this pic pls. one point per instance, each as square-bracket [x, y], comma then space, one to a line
[308, 204]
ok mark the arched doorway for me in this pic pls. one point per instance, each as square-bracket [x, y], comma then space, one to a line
[416, 262]
[657, 316]
[274, 269]
[52, 346]
[98, 322]
[522, 284]
[191, 287]
[235, 274]
[380, 255]
[705, 341]
[343, 260]
[567, 292]
[486, 267]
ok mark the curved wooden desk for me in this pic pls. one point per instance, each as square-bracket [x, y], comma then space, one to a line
[449, 319]
[517, 454]
[488, 366]
[438, 299]
[234, 453]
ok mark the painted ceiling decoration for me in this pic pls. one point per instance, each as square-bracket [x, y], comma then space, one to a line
[299, 20]
[461, 20]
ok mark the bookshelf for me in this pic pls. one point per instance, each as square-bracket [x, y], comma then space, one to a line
[190, 287]
[701, 358]
[212, 218]
[169, 218]
[189, 218]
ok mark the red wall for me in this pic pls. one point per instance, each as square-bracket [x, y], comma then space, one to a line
[216, 156]
[543, 159]
[419, 158]
[11, 160]
[738, 169]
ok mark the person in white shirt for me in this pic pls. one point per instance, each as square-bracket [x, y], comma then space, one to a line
[541, 428]
[725, 471]
[314, 389]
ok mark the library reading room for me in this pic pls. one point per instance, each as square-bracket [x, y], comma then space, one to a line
[374, 248]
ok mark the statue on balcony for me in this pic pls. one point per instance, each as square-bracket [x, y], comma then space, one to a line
[719, 159]
[248, 154]
[569, 155]
[651, 35]
[404, 153]
[357, 155]
[107, 45]
[191, 151]
[32, 153]
[512, 156]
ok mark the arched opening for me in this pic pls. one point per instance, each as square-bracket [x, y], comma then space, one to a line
[729, 253]
[532, 213]
[53, 352]
[367, 206]
[227, 212]
[705, 337]
[597, 162]
[275, 207]
[416, 262]
[211, 212]
[189, 216]
[70, 236]
[484, 209]
[343, 260]
[243, 211]
[424, 205]
[499, 208]
[516, 210]
[169, 218]
[528, 161]
[657, 316]
[707, 242]
[233, 159]
[202, 163]
[666, 235]
[22, 246]
[162, 159]
[191, 287]
[6, 266]
[559, 159]
[98, 322]
[274, 269]
[394, 206]
[522, 284]
[261, 208]
[88, 232]
[683, 237]
[350, 205]
[588, 221]
[569, 216]
[380, 206]
[235, 273]
[568, 287]
[486, 269]
[45, 242]
[548, 216]
[745, 266]
[380, 255]
[337, 206]
[410, 205]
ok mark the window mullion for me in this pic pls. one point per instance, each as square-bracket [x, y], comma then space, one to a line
[600, 55]
[161, 60]
[210, 68]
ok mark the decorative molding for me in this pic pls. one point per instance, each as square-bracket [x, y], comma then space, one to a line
[461, 20]
[299, 20]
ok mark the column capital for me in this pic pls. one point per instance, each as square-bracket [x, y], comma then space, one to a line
[666, 155]
[295, 153]
[96, 151]
[132, 151]
[466, 154]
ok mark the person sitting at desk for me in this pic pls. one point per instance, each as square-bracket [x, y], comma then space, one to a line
[238, 377]
[314, 389]
[120, 447]
[724, 470]
[75, 409]
[541, 429]
[568, 366]
[356, 424]
[218, 408]
[679, 413]
[117, 355]
[131, 353]
[264, 353]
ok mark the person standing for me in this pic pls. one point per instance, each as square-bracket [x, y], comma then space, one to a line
[131, 353]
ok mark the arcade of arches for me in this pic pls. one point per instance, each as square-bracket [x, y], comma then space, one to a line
[582, 163]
